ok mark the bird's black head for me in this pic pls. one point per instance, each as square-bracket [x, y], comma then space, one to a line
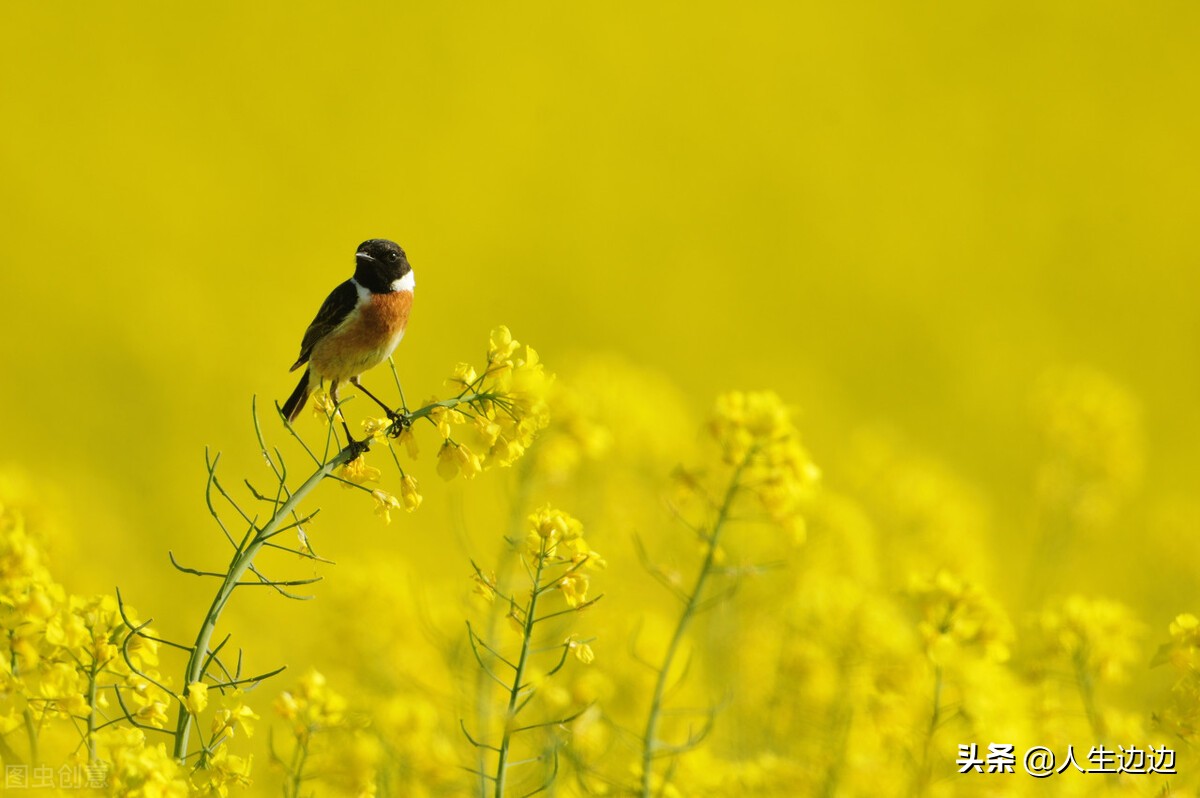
[380, 263]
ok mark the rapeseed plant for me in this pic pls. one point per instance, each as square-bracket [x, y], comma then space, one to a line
[762, 462]
[819, 631]
[91, 663]
[553, 555]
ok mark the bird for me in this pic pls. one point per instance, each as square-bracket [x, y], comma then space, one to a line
[358, 326]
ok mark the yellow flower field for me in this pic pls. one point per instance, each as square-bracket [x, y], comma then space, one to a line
[798, 400]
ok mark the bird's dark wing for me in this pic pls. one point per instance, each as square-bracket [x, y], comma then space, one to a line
[334, 310]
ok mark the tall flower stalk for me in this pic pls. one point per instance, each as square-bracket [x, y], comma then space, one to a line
[762, 460]
[554, 555]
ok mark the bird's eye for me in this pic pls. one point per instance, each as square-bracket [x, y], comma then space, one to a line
[393, 257]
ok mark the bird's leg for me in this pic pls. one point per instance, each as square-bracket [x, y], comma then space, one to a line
[357, 447]
[399, 420]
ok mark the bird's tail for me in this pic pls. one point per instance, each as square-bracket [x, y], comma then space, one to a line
[295, 403]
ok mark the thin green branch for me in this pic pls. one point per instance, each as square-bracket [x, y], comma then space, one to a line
[650, 742]
[241, 562]
[514, 695]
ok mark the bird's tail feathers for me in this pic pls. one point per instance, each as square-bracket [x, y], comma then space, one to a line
[295, 403]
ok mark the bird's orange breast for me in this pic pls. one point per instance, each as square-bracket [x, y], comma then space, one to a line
[365, 339]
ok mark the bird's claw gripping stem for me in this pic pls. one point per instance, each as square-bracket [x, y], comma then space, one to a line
[400, 422]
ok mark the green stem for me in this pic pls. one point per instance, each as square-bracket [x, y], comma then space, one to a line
[27, 714]
[515, 694]
[31, 733]
[91, 720]
[243, 558]
[482, 680]
[298, 761]
[935, 717]
[649, 742]
[1087, 694]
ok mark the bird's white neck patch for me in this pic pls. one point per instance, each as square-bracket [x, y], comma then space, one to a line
[406, 283]
[364, 293]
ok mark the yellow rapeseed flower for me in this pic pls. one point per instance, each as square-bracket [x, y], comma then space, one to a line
[408, 493]
[233, 716]
[582, 651]
[384, 504]
[485, 586]
[408, 440]
[1100, 636]
[196, 697]
[448, 464]
[501, 345]
[574, 587]
[357, 472]
[755, 433]
[323, 406]
[464, 375]
[376, 427]
[445, 418]
[957, 616]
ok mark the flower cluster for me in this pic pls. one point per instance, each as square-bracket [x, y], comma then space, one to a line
[137, 768]
[555, 538]
[311, 707]
[1098, 637]
[957, 617]
[756, 436]
[553, 555]
[1182, 652]
[752, 646]
[491, 419]
[574, 438]
[504, 407]
[65, 657]
[329, 743]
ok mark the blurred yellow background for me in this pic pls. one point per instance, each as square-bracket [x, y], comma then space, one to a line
[901, 217]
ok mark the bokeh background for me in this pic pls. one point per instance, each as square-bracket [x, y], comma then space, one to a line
[913, 221]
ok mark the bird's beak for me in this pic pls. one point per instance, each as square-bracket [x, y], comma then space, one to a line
[363, 255]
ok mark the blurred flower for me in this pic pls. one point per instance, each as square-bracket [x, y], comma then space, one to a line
[485, 586]
[957, 616]
[1099, 637]
[1183, 652]
[575, 436]
[222, 771]
[139, 770]
[1181, 716]
[923, 509]
[582, 651]
[312, 706]
[755, 433]
[1092, 432]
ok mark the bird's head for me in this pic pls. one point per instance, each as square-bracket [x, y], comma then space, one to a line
[380, 265]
